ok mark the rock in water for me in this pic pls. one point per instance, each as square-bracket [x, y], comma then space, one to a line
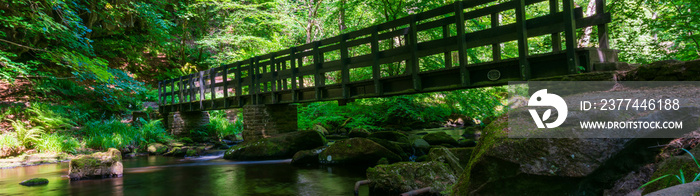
[391, 136]
[359, 151]
[356, 132]
[98, 165]
[280, 147]
[307, 157]
[34, 182]
[157, 148]
[440, 138]
[406, 176]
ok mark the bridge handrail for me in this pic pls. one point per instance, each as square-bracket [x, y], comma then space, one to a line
[278, 71]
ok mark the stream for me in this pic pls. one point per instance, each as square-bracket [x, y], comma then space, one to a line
[205, 175]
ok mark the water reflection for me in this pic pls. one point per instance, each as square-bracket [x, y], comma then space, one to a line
[170, 176]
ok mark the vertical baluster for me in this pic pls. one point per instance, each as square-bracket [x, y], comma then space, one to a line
[461, 44]
[496, 48]
[376, 70]
[414, 63]
[570, 36]
[447, 53]
[556, 38]
[344, 70]
[521, 28]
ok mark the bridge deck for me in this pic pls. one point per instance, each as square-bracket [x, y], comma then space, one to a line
[299, 74]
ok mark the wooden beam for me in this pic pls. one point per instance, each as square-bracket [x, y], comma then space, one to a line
[318, 76]
[602, 28]
[448, 53]
[293, 64]
[461, 45]
[523, 49]
[556, 39]
[495, 48]
[239, 83]
[224, 79]
[570, 35]
[376, 69]
[344, 71]
[413, 62]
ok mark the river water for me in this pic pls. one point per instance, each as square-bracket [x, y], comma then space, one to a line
[206, 175]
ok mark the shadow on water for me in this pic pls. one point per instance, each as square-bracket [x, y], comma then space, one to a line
[205, 175]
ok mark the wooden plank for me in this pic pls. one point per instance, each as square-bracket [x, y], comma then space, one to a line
[523, 50]
[461, 45]
[570, 36]
[603, 38]
[376, 72]
[413, 61]
[495, 48]
[447, 53]
[556, 39]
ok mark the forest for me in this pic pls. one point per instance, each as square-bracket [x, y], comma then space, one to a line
[74, 73]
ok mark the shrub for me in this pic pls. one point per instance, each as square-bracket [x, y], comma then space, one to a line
[220, 125]
[115, 134]
[9, 140]
[152, 131]
[47, 116]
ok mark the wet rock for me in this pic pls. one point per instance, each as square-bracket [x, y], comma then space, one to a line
[406, 176]
[34, 182]
[444, 155]
[466, 143]
[440, 138]
[423, 158]
[157, 148]
[391, 136]
[463, 154]
[283, 146]
[98, 165]
[421, 146]
[631, 182]
[358, 133]
[395, 147]
[357, 151]
[307, 157]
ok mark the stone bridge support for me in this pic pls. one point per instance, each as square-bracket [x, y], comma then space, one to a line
[262, 121]
[180, 123]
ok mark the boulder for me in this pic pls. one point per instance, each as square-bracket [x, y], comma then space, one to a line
[390, 135]
[421, 146]
[283, 146]
[407, 176]
[98, 165]
[157, 148]
[439, 138]
[322, 130]
[358, 133]
[357, 151]
[463, 154]
[444, 155]
[34, 182]
[395, 147]
[500, 165]
[307, 157]
[692, 188]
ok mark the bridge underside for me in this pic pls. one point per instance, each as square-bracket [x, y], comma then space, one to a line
[445, 79]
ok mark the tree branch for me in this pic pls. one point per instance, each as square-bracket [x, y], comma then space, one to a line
[23, 46]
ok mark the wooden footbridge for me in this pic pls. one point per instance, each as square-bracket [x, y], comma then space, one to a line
[300, 74]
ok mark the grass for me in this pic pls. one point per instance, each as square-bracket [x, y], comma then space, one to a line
[27, 136]
[55, 142]
[9, 140]
[680, 177]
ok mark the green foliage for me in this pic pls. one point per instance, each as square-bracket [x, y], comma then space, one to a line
[116, 134]
[680, 177]
[27, 136]
[9, 139]
[49, 117]
[56, 142]
[220, 125]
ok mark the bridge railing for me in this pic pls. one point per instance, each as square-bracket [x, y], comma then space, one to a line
[298, 74]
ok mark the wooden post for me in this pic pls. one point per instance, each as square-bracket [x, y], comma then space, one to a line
[212, 85]
[201, 90]
[160, 93]
[570, 35]
[378, 89]
[521, 28]
[192, 93]
[273, 81]
[239, 83]
[318, 76]
[556, 39]
[345, 71]
[495, 48]
[181, 93]
[462, 45]
[252, 75]
[602, 28]
[447, 53]
[225, 80]
[172, 91]
[413, 66]
[293, 64]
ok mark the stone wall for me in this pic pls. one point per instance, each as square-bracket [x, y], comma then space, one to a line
[180, 123]
[262, 121]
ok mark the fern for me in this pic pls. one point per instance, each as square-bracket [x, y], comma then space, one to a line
[27, 136]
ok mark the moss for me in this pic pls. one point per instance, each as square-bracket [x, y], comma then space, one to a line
[672, 165]
[406, 176]
[383, 161]
[34, 181]
[191, 152]
[356, 151]
[283, 146]
[491, 135]
[395, 147]
[391, 136]
[440, 138]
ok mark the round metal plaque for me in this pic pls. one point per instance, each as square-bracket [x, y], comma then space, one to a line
[494, 75]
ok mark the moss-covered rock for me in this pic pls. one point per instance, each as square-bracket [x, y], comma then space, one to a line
[358, 151]
[444, 155]
[390, 135]
[34, 182]
[358, 133]
[307, 157]
[157, 148]
[439, 138]
[406, 176]
[463, 154]
[280, 147]
[395, 147]
[421, 146]
[500, 165]
[672, 165]
[690, 188]
[98, 165]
